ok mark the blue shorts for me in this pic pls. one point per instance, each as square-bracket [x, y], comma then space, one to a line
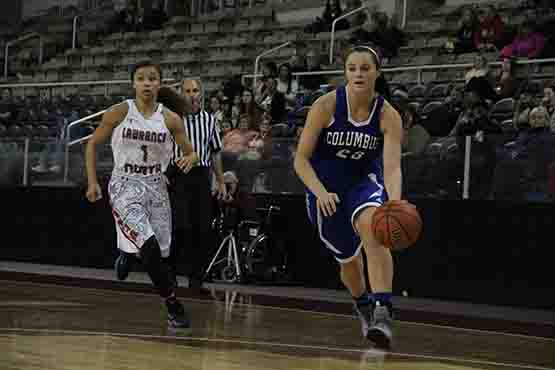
[338, 231]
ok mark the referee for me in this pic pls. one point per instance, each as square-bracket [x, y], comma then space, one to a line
[193, 203]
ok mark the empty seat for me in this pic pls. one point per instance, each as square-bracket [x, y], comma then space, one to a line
[417, 92]
[439, 91]
[429, 107]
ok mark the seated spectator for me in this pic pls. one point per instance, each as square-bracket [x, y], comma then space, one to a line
[297, 63]
[235, 110]
[474, 122]
[273, 102]
[236, 141]
[249, 107]
[526, 44]
[548, 100]
[259, 146]
[155, 18]
[8, 110]
[479, 69]
[288, 86]
[507, 84]
[489, 36]
[440, 121]
[416, 138]
[215, 109]
[314, 64]
[485, 85]
[464, 37]
[382, 33]
[269, 70]
[127, 20]
[523, 105]
[332, 11]
[524, 168]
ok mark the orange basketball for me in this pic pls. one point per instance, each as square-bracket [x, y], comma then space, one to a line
[397, 224]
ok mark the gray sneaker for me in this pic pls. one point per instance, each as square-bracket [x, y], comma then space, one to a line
[366, 318]
[381, 332]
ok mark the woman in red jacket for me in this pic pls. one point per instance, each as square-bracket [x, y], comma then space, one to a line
[490, 32]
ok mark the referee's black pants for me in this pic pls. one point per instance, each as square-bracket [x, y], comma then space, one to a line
[192, 240]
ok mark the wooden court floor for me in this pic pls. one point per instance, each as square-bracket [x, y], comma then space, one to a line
[46, 326]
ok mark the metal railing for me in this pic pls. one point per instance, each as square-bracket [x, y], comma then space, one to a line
[267, 52]
[419, 68]
[17, 41]
[335, 22]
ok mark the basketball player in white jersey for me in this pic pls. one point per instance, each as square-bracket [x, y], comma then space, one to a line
[141, 132]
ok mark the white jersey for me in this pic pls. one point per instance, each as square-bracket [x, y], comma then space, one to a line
[142, 147]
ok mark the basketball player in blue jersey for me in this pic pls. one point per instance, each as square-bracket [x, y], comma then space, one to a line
[141, 132]
[349, 158]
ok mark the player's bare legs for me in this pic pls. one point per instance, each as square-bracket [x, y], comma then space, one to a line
[352, 276]
[380, 274]
[379, 260]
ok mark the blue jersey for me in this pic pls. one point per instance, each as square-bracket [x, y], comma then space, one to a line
[347, 151]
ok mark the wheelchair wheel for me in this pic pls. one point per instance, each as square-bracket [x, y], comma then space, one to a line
[228, 274]
[264, 259]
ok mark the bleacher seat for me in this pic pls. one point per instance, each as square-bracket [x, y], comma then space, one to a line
[417, 92]
[502, 110]
[430, 107]
[14, 130]
[439, 91]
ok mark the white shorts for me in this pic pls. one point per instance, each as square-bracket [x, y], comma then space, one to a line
[141, 209]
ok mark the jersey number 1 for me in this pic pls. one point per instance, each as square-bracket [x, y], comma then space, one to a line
[347, 154]
[144, 148]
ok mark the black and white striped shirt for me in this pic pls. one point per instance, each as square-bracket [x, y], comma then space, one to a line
[202, 131]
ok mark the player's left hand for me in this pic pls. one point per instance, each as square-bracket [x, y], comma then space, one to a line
[187, 162]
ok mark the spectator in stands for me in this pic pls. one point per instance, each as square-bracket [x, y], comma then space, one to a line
[127, 20]
[236, 110]
[548, 100]
[440, 121]
[524, 104]
[297, 63]
[383, 33]
[248, 106]
[489, 36]
[7, 108]
[288, 86]
[155, 17]
[526, 44]
[236, 141]
[524, 168]
[332, 11]
[269, 71]
[273, 102]
[314, 64]
[474, 122]
[416, 138]
[464, 37]
[507, 84]
[479, 69]
[259, 146]
[216, 110]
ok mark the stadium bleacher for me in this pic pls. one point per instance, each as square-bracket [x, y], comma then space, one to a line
[217, 46]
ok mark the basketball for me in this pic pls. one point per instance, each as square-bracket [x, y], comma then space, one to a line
[397, 224]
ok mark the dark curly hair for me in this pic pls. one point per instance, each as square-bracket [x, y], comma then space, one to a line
[173, 101]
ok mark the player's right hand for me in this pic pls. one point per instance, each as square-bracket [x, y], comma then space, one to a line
[327, 203]
[94, 193]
